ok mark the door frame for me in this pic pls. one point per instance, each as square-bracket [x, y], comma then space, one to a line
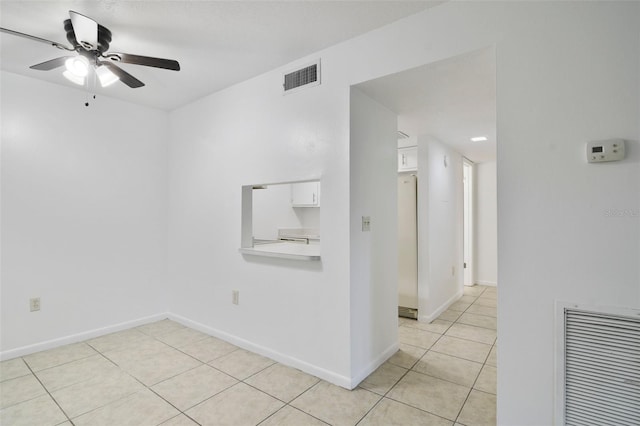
[467, 222]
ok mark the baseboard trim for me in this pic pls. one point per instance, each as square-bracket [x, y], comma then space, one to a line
[79, 337]
[435, 314]
[373, 366]
[488, 283]
[329, 376]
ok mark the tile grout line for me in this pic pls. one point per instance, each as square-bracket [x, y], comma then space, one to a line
[273, 396]
[384, 396]
[447, 380]
[201, 364]
[439, 338]
[222, 390]
[417, 408]
[179, 410]
[102, 406]
[376, 404]
[61, 364]
[465, 311]
[443, 334]
[288, 404]
[285, 404]
[458, 357]
[121, 369]
[47, 391]
[439, 378]
[475, 325]
[442, 353]
[160, 396]
[476, 379]
[412, 369]
[150, 387]
[70, 419]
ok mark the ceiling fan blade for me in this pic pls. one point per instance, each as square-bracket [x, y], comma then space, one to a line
[85, 29]
[34, 38]
[168, 64]
[124, 76]
[49, 65]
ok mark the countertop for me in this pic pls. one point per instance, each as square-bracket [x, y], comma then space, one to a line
[285, 250]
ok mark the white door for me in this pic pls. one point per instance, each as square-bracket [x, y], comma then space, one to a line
[467, 179]
[407, 242]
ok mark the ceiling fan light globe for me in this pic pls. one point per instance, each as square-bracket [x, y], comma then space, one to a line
[78, 66]
[106, 77]
[73, 78]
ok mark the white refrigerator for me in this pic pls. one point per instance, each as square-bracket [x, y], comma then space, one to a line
[407, 246]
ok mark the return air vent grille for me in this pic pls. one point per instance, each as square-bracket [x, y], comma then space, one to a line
[602, 368]
[303, 77]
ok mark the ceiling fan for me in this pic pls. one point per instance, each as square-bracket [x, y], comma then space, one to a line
[90, 41]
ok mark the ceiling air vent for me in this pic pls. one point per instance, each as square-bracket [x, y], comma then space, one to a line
[304, 77]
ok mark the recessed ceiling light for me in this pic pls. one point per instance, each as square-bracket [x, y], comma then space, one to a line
[479, 139]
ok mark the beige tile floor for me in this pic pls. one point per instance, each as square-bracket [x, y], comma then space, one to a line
[166, 374]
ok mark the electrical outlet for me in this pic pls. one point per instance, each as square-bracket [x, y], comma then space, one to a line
[235, 297]
[34, 304]
[366, 223]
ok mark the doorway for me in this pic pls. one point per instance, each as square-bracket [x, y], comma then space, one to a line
[467, 223]
[445, 106]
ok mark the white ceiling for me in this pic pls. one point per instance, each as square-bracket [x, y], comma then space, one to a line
[451, 100]
[218, 43]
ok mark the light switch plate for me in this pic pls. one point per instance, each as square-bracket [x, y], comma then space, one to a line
[366, 223]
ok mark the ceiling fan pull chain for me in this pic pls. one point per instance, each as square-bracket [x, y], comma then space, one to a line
[86, 93]
[95, 83]
[88, 89]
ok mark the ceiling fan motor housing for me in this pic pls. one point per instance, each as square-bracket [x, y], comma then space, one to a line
[90, 41]
[104, 37]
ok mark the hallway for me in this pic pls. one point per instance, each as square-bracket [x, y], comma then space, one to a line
[448, 367]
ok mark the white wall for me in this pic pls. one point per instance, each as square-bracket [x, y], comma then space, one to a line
[440, 210]
[272, 210]
[486, 224]
[374, 254]
[310, 216]
[294, 311]
[567, 73]
[84, 201]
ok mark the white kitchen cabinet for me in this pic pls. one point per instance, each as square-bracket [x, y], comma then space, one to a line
[305, 194]
[408, 159]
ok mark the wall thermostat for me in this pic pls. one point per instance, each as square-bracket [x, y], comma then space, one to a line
[609, 150]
